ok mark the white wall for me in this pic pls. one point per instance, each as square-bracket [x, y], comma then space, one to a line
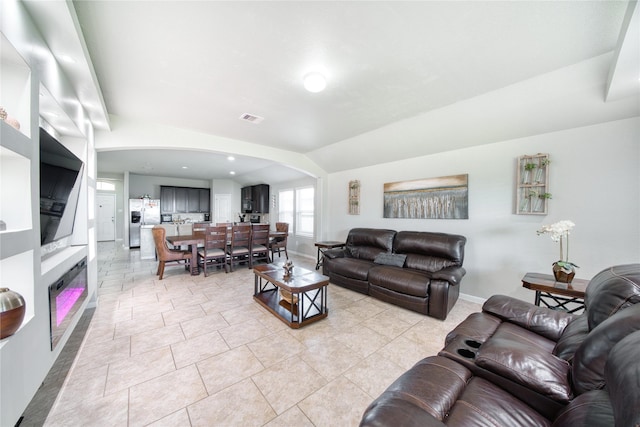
[594, 179]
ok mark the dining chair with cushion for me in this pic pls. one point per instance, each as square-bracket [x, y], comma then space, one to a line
[259, 243]
[213, 253]
[165, 254]
[279, 242]
[238, 249]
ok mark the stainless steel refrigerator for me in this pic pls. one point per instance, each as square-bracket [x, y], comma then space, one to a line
[142, 212]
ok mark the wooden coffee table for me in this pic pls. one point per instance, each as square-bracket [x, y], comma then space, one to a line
[305, 294]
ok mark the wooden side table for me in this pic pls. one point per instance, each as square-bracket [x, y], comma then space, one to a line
[325, 246]
[556, 295]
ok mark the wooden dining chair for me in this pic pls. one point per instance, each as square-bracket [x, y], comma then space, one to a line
[238, 249]
[214, 251]
[259, 243]
[279, 242]
[165, 254]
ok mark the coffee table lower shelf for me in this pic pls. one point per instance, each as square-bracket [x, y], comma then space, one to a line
[290, 315]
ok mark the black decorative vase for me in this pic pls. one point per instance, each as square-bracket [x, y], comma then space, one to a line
[12, 308]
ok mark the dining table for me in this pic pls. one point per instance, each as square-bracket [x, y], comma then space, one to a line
[192, 240]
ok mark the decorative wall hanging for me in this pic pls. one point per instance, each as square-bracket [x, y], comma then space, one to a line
[354, 197]
[532, 189]
[445, 197]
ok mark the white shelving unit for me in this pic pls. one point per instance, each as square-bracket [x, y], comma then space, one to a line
[17, 255]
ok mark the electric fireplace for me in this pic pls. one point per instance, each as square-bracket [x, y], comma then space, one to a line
[66, 296]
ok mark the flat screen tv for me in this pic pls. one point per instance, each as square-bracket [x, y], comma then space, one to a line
[60, 179]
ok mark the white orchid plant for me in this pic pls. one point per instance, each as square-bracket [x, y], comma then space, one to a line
[559, 232]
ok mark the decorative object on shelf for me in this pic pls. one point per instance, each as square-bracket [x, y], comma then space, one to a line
[12, 309]
[446, 197]
[532, 189]
[563, 270]
[354, 197]
[11, 121]
[288, 268]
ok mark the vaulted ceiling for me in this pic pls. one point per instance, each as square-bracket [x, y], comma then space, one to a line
[200, 65]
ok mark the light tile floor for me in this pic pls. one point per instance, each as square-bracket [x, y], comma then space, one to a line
[196, 351]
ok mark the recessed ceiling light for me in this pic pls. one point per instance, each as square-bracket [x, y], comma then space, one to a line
[185, 167]
[231, 158]
[232, 173]
[314, 82]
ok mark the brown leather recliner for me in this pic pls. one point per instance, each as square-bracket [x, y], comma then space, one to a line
[438, 391]
[533, 363]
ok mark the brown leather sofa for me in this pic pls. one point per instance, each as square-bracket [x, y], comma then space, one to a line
[417, 270]
[517, 364]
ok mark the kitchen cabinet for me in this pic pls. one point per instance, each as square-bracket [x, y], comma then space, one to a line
[167, 199]
[205, 200]
[181, 200]
[255, 198]
[260, 198]
[184, 200]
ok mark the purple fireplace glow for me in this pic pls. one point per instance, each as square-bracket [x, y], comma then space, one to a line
[66, 296]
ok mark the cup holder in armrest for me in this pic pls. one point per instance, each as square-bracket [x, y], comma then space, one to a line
[473, 343]
[466, 353]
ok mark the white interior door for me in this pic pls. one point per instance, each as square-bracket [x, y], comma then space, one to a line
[222, 208]
[106, 217]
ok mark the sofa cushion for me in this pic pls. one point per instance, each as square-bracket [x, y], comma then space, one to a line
[352, 268]
[610, 291]
[535, 368]
[402, 280]
[590, 358]
[390, 259]
[366, 243]
[430, 251]
[437, 390]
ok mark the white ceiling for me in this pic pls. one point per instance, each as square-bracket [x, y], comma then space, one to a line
[199, 65]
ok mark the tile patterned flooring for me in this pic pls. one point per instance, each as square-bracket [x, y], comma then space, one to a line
[196, 351]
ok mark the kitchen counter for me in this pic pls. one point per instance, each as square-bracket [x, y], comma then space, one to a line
[147, 245]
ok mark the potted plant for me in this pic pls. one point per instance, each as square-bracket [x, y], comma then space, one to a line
[563, 269]
[544, 162]
[528, 167]
[540, 202]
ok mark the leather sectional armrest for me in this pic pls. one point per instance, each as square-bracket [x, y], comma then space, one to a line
[533, 368]
[453, 275]
[541, 320]
[335, 253]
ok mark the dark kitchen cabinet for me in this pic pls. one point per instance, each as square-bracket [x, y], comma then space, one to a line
[193, 200]
[260, 198]
[184, 200]
[205, 200]
[255, 198]
[181, 199]
[167, 199]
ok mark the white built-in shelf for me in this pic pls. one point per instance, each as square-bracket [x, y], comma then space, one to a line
[15, 81]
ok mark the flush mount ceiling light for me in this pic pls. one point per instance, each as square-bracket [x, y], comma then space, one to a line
[314, 82]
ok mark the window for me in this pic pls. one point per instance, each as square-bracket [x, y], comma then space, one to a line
[305, 202]
[285, 208]
[105, 186]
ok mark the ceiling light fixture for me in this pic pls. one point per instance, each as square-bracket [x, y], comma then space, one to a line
[232, 173]
[231, 158]
[314, 82]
